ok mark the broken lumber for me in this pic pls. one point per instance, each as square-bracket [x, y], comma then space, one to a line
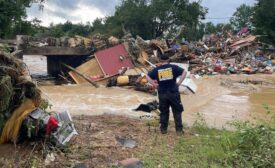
[80, 74]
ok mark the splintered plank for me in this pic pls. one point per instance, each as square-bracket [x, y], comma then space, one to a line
[89, 68]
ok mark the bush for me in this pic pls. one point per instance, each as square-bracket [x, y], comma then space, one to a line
[254, 145]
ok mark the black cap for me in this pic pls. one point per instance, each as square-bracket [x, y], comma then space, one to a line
[164, 57]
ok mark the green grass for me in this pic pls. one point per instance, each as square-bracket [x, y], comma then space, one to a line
[248, 146]
[200, 150]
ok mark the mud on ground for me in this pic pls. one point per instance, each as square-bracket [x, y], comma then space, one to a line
[95, 146]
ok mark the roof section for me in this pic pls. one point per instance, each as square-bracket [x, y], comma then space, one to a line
[111, 60]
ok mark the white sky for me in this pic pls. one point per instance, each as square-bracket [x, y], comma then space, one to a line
[82, 11]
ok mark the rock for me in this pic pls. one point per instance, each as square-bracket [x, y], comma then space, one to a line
[125, 142]
[131, 163]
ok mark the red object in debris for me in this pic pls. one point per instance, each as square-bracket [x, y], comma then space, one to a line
[243, 30]
[218, 68]
[52, 124]
[111, 60]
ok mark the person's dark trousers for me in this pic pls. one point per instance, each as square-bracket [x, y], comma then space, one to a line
[167, 99]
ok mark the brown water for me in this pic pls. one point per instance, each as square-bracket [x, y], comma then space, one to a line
[217, 104]
[226, 108]
[87, 100]
[259, 100]
[37, 64]
[241, 106]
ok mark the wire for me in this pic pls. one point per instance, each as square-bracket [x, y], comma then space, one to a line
[219, 18]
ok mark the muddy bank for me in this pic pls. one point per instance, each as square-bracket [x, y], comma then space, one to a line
[95, 146]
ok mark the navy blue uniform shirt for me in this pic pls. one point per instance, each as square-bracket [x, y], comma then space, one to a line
[166, 75]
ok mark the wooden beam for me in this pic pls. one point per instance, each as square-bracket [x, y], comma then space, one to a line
[82, 75]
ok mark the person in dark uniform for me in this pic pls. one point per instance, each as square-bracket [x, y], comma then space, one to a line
[168, 92]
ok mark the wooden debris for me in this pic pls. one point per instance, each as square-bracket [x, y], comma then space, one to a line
[82, 75]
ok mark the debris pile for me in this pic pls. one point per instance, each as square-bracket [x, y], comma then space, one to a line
[14, 87]
[94, 43]
[221, 53]
[216, 54]
[226, 54]
[21, 116]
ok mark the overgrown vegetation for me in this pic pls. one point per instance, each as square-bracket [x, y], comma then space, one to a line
[249, 145]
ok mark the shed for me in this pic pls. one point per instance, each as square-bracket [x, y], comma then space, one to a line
[106, 63]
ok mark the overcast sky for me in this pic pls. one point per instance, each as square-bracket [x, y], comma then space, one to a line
[59, 11]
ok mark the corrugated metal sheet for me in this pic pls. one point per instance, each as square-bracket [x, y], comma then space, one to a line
[113, 59]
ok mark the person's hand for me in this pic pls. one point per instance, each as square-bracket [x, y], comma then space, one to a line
[155, 85]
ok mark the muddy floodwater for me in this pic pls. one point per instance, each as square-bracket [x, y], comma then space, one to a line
[37, 65]
[217, 104]
[241, 106]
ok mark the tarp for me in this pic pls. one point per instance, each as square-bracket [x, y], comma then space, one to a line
[13, 125]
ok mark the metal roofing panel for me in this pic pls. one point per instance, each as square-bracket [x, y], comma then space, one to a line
[113, 59]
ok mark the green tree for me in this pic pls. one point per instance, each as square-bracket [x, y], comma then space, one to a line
[156, 18]
[242, 17]
[210, 28]
[169, 15]
[55, 30]
[191, 17]
[227, 27]
[264, 20]
[133, 16]
[98, 26]
[12, 15]
[68, 29]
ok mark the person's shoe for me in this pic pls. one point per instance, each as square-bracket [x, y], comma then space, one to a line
[163, 131]
[180, 132]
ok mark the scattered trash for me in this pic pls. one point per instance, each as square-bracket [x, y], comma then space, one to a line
[190, 84]
[21, 115]
[66, 129]
[148, 107]
[221, 53]
[49, 158]
[126, 142]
